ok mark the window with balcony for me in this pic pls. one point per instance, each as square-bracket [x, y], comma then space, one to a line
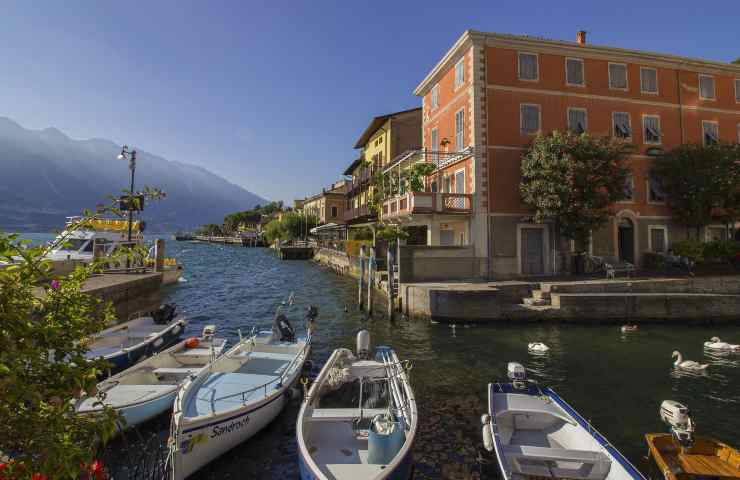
[459, 130]
[529, 118]
[655, 190]
[460, 181]
[433, 186]
[446, 184]
[651, 129]
[574, 72]
[706, 87]
[710, 132]
[621, 124]
[648, 80]
[528, 68]
[435, 97]
[460, 72]
[618, 76]
[334, 212]
[629, 189]
[577, 120]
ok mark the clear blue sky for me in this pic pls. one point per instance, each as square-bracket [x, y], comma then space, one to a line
[272, 95]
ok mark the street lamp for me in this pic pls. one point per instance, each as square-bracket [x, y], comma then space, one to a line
[131, 157]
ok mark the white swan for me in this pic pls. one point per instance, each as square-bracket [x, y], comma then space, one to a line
[538, 347]
[687, 364]
[715, 343]
[629, 328]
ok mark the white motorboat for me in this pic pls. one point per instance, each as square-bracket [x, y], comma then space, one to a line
[238, 395]
[149, 388]
[536, 434]
[359, 419]
[77, 244]
[126, 343]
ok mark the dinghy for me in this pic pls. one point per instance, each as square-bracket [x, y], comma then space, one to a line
[536, 434]
[235, 397]
[149, 388]
[359, 419]
[125, 344]
[679, 456]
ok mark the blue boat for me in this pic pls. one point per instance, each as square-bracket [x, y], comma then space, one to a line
[536, 434]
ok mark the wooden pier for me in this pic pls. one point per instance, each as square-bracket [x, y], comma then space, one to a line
[243, 241]
[295, 252]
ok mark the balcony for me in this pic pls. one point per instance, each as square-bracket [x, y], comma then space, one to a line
[359, 213]
[427, 202]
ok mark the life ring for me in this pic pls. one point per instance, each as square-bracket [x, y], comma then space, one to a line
[192, 342]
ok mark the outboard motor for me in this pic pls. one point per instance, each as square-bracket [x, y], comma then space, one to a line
[517, 374]
[284, 329]
[363, 344]
[311, 313]
[164, 314]
[677, 416]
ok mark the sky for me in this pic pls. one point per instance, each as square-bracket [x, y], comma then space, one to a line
[273, 95]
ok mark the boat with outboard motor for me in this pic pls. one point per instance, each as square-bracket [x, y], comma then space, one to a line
[679, 456]
[125, 344]
[536, 434]
[79, 237]
[149, 388]
[359, 419]
[237, 395]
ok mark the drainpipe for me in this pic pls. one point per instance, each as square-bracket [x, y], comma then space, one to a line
[680, 105]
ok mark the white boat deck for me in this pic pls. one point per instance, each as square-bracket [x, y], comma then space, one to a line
[122, 395]
[340, 452]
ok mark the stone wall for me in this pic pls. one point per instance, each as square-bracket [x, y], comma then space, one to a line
[423, 263]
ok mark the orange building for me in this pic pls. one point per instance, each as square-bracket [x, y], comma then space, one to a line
[491, 94]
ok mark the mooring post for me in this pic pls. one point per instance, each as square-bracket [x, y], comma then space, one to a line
[159, 255]
[362, 276]
[391, 280]
[370, 270]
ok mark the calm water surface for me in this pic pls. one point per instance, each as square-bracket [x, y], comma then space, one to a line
[615, 380]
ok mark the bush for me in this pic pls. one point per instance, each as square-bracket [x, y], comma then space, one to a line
[352, 247]
[653, 261]
[691, 249]
[722, 250]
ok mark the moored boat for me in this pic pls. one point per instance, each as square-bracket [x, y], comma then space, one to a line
[536, 434]
[235, 397]
[149, 388]
[679, 456]
[359, 419]
[125, 344]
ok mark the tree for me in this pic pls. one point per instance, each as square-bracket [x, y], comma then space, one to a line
[572, 180]
[291, 227]
[210, 230]
[701, 181]
[736, 61]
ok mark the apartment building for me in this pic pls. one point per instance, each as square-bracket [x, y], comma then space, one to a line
[327, 206]
[490, 94]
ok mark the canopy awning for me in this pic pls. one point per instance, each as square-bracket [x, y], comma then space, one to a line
[326, 227]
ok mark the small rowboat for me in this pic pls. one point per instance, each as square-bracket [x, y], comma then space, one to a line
[149, 388]
[359, 419]
[680, 456]
[125, 344]
[536, 434]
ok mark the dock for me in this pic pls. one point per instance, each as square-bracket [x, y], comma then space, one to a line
[243, 241]
[295, 252]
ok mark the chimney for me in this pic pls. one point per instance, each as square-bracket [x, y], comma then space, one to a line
[581, 37]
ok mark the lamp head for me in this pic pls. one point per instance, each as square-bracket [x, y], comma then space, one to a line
[124, 153]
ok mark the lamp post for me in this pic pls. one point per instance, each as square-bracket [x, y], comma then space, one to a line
[131, 157]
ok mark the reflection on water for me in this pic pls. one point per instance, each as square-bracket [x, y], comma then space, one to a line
[614, 379]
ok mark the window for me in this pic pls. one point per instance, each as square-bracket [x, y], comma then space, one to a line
[574, 72]
[529, 118]
[651, 129]
[459, 130]
[460, 72]
[716, 234]
[577, 120]
[655, 190]
[738, 133]
[658, 239]
[433, 186]
[446, 184]
[333, 212]
[434, 140]
[621, 124]
[629, 189]
[648, 80]
[460, 181]
[528, 69]
[737, 90]
[618, 76]
[706, 87]
[710, 132]
[435, 97]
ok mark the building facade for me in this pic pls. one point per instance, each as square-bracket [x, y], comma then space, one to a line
[491, 94]
[327, 206]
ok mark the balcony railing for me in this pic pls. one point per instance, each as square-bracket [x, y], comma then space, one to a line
[359, 212]
[427, 202]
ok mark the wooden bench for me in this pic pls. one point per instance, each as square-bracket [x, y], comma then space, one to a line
[343, 414]
[595, 465]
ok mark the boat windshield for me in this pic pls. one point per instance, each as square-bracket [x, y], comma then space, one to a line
[74, 244]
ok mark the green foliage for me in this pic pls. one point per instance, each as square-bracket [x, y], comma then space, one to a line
[391, 233]
[233, 220]
[417, 173]
[210, 230]
[721, 250]
[736, 61]
[691, 249]
[700, 181]
[363, 233]
[653, 261]
[292, 226]
[573, 179]
[352, 247]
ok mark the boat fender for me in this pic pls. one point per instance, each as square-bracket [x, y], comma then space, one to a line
[158, 342]
[176, 330]
[192, 342]
[284, 328]
[487, 437]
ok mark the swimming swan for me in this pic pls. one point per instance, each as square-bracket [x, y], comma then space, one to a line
[715, 343]
[687, 364]
[538, 347]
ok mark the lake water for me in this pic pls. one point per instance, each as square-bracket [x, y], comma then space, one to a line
[615, 380]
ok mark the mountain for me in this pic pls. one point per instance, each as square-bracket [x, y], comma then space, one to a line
[45, 176]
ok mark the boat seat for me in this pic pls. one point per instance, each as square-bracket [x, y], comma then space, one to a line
[343, 414]
[174, 371]
[595, 464]
[272, 356]
[194, 352]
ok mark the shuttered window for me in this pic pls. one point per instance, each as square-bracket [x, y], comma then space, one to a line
[434, 140]
[577, 120]
[648, 80]
[657, 239]
[706, 87]
[621, 122]
[459, 73]
[629, 189]
[710, 132]
[528, 69]
[651, 128]
[435, 96]
[530, 119]
[459, 130]
[574, 71]
[655, 189]
[618, 76]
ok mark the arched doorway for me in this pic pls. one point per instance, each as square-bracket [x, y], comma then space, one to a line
[626, 240]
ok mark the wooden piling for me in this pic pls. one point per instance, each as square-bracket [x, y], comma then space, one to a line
[370, 271]
[159, 255]
[362, 276]
[391, 280]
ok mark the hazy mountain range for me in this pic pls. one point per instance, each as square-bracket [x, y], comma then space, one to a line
[45, 176]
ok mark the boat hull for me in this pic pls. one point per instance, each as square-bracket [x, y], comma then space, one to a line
[129, 357]
[137, 414]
